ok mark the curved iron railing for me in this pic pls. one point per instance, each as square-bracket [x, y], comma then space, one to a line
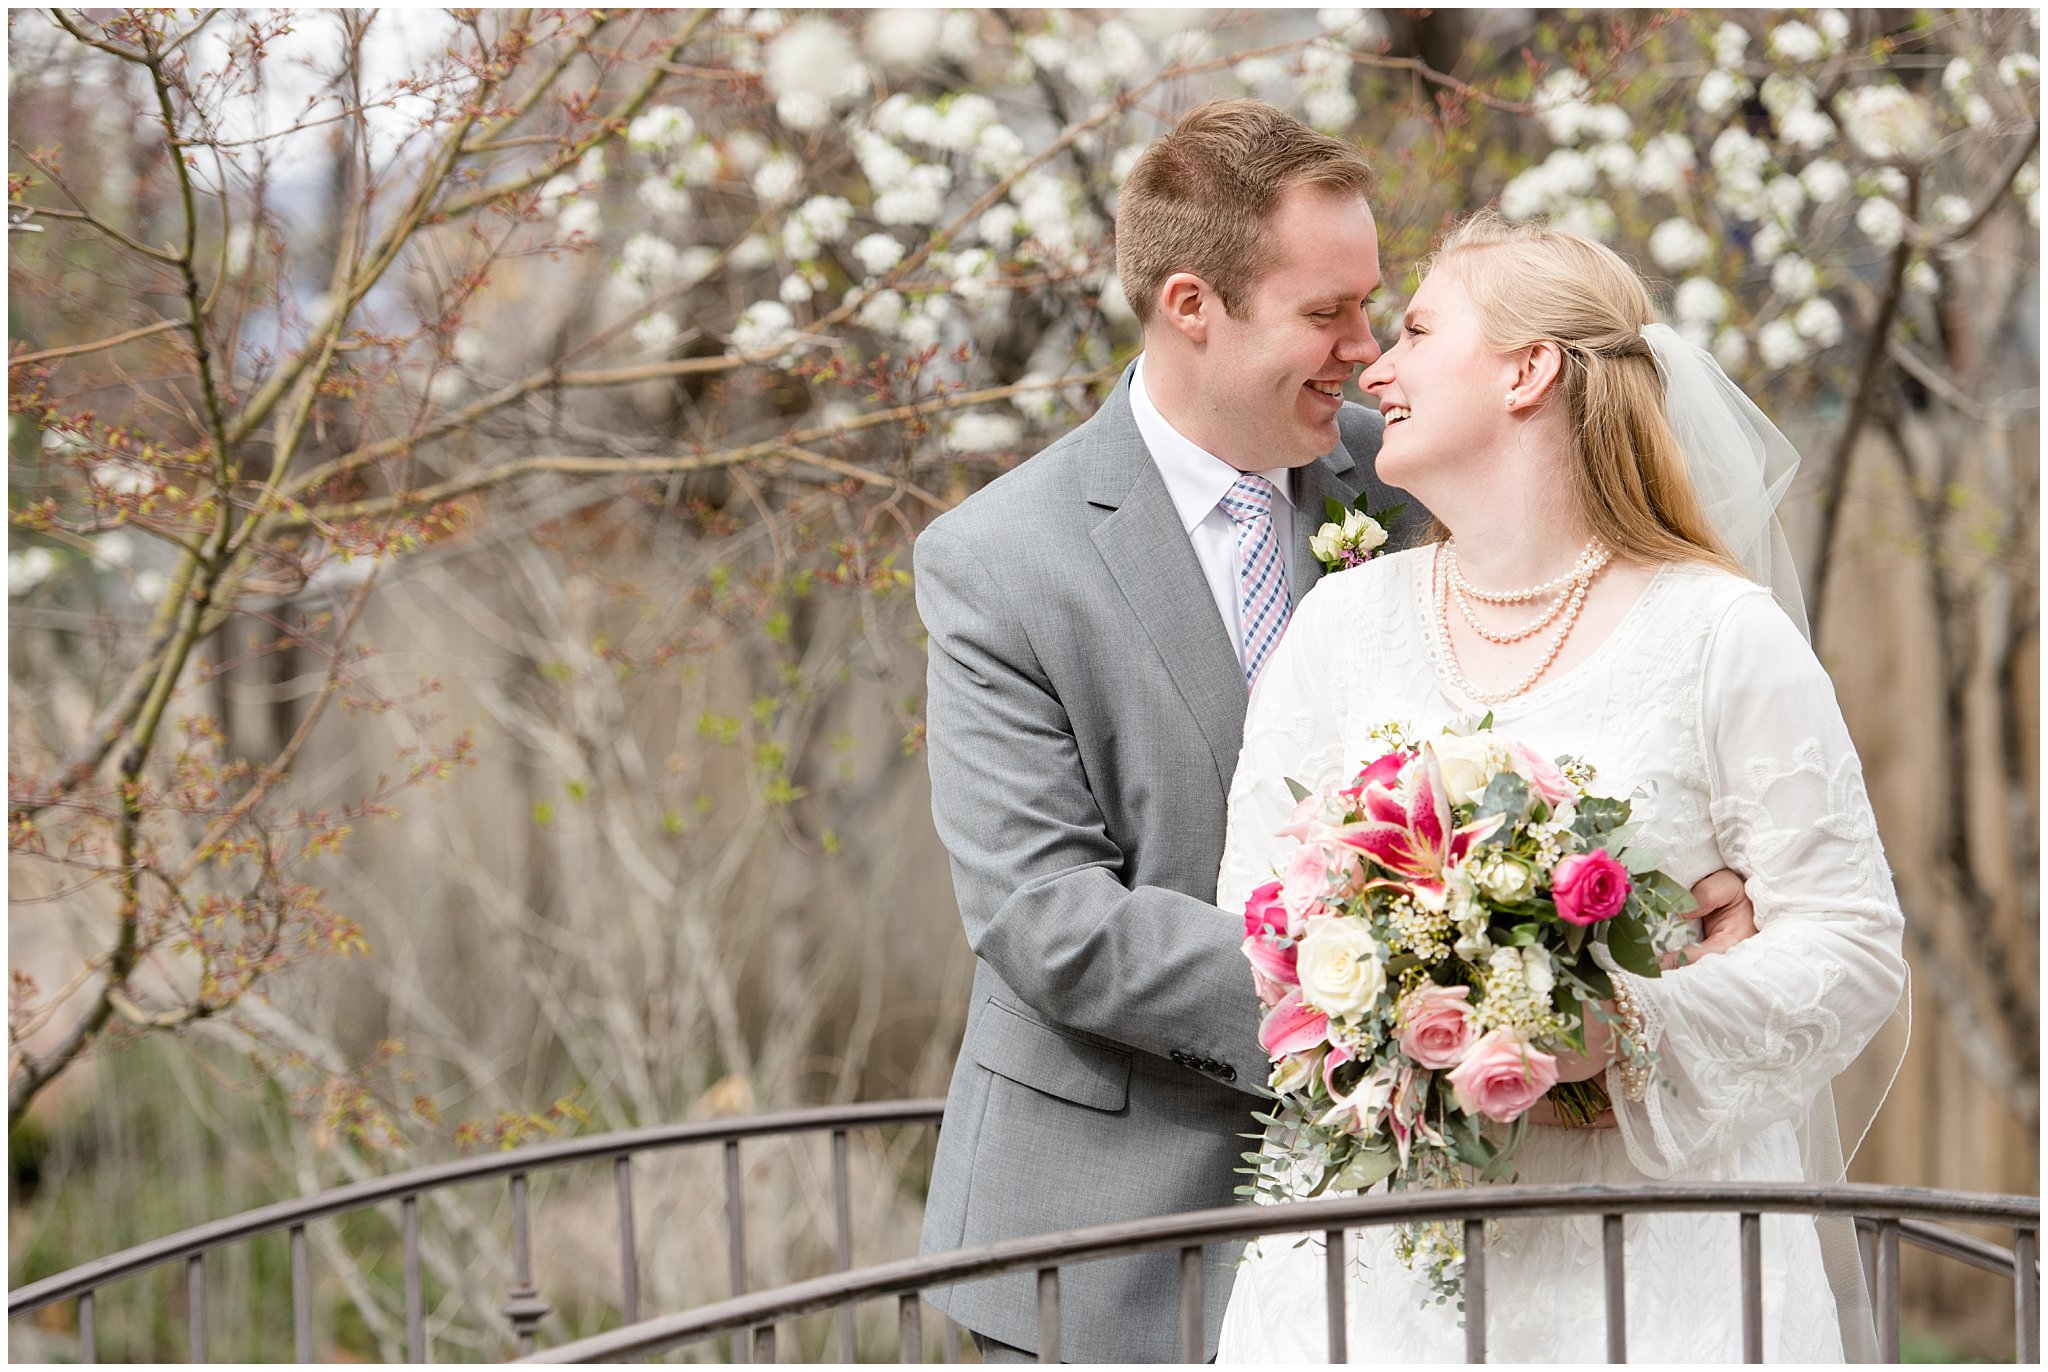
[1889, 1208]
[524, 1307]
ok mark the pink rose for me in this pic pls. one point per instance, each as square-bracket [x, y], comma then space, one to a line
[1263, 912]
[1501, 1077]
[1435, 1025]
[1543, 777]
[1589, 887]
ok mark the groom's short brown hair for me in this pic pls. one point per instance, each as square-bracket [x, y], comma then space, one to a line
[1198, 200]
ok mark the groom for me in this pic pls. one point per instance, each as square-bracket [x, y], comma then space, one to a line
[1095, 619]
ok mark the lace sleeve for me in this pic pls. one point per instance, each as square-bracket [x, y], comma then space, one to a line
[1752, 1036]
[1290, 730]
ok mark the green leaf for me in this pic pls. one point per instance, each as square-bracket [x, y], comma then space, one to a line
[1522, 935]
[1370, 1165]
[1599, 816]
[1663, 894]
[1507, 794]
[1629, 942]
[1333, 509]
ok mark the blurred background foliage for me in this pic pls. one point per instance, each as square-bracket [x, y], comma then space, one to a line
[464, 685]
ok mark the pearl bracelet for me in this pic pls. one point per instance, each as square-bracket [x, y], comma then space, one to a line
[1635, 1068]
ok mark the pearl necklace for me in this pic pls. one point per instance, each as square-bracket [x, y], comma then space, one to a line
[1591, 559]
[1446, 585]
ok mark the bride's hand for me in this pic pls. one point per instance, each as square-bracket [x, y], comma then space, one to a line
[1725, 918]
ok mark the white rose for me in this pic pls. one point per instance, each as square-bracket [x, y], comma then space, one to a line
[1504, 880]
[1467, 765]
[1339, 966]
[1537, 971]
[1362, 531]
[1328, 543]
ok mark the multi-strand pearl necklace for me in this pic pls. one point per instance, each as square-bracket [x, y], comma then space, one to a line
[1568, 590]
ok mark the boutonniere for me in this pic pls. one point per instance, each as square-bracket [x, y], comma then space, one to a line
[1352, 536]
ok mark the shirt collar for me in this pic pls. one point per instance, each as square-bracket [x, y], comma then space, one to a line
[1196, 479]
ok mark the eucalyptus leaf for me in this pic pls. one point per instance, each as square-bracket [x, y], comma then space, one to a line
[1507, 794]
[1599, 816]
[1367, 1167]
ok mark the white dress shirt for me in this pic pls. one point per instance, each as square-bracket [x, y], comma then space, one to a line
[1197, 480]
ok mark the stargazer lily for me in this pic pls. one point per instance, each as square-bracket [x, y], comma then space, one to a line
[1292, 1027]
[1415, 842]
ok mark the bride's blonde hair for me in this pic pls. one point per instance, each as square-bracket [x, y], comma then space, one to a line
[1536, 284]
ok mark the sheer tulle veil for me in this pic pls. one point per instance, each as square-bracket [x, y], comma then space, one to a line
[1741, 466]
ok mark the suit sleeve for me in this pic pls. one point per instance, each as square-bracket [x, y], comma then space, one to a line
[1034, 866]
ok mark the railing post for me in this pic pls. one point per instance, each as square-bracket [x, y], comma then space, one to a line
[415, 1294]
[909, 1329]
[949, 1338]
[1888, 1290]
[764, 1343]
[735, 1238]
[1617, 1288]
[1192, 1299]
[302, 1298]
[88, 1333]
[1752, 1286]
[195, 1306]
[2026, 1282]
[1475, 1290]
[1048, 1314]
[842, 1245]
[523, 1305]
[1335, 1294]
[629, 1256]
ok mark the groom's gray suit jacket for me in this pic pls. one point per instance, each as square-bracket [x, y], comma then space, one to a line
[1084, 713]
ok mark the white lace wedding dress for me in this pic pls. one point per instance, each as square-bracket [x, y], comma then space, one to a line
[1707, 693]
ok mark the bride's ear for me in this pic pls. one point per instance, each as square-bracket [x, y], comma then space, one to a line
[1186, 303]
[1537, 373]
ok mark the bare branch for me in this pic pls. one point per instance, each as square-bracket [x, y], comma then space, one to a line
[98, 345]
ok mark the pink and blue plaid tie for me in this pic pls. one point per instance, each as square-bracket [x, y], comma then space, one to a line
[1262, 602]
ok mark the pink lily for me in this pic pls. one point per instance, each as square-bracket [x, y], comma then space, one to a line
[1359, 1113]
[1273, 967]
[1415, 842]
[1385, 771]
[1292, 1027]
[1263, 913]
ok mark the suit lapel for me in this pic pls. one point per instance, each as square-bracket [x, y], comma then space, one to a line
[1313, 485]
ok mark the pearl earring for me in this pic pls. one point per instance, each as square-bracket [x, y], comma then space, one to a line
[1511, 400]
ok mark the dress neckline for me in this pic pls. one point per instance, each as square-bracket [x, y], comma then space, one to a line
[1433, 646]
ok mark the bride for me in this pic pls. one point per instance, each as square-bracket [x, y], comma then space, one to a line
[1595, 597]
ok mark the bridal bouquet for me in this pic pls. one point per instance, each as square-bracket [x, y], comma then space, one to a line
[1429, 950]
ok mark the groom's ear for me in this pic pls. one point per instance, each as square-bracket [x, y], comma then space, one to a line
[1188, 304]
[1541, 366]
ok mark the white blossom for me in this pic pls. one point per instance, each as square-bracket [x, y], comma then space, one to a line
[660, 129]
[1355, 27]
[1952, 211]
[1806, 130]
[698, 166]
[882, 312]
[903, 38]
[150, 584]
[753, 253]
[1826, 181]
[1329, 110]
[1779, 344]
[580, 217]
[1122, 49]
[1783, 93]
[1257, 73]
[960, 34]
[1663, 163]
[240, 248]
[556, 188]
[827, 218]
[1819, 322]
[802, 111]
[1592, 218]
[648, 258]
[663, 197]
[999, 226]
[1731, 41]
[1834, 27]
[998, 151]
[965, 117]
[980, 432]
[1794, 278]
[1115, 305]
[778, 175]
[122, 477]
[591, 166]
[1731, 348]
[1679, 244]
[1324, 66]
[764, 324]
[917, 199]
[2018, 68]
[1616, 161]
[747, 150]
[28, 569]
[2027, 180]
[796, 289]
[1699, 300]
[922, 326]
[694, 263]
[1721, 91]
[1786, 195]
[1736, 155]
[877, 253]
[973, 283]
[1957, 76]
[1922, 277]
[1887, 121]
[657, 331]
[116, 549]
[1795, 42]
[1882, 222]
[1770, 243]
[814, 57]
[1887, 181]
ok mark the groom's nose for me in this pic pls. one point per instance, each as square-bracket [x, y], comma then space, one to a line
[1359, 347]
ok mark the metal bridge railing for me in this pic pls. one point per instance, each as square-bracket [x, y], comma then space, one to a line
[1895, 1214]
[525, 1307]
